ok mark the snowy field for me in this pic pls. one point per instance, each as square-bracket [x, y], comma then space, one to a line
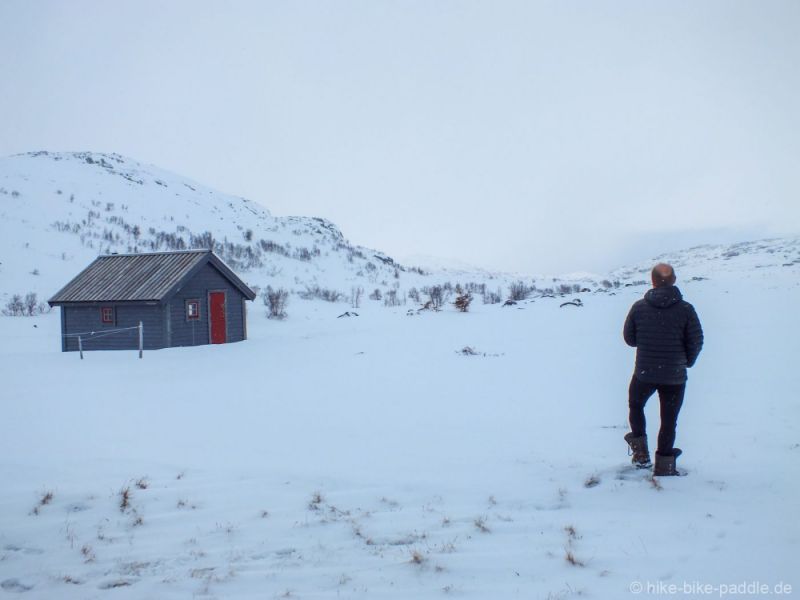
[365, 457]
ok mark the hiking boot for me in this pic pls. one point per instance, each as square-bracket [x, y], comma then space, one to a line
[665, 463]
[638, 446]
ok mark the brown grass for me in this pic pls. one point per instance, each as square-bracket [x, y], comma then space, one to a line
[480, 525]
[124, 499]
[316, 501]
[570, 558]
[591, 481]
[87, 553]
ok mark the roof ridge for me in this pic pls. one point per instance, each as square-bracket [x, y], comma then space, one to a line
[158, 252]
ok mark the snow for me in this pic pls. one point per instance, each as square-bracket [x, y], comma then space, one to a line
[321, 456]
[368, 456]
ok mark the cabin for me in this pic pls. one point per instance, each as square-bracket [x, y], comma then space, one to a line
[185, 298]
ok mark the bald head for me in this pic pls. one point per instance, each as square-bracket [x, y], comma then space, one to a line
[663, 275]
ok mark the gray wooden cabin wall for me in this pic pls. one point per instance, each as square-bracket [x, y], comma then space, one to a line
[84, 318]
[182, 332]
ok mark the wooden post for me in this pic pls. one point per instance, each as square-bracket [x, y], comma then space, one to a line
[141, 338]
[80, 347]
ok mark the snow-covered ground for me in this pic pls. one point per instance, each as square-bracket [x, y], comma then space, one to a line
[366, 457]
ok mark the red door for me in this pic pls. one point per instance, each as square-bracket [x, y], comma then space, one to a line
[216, 309]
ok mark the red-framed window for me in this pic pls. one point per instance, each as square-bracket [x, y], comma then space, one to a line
[107, 315]
[193, 310]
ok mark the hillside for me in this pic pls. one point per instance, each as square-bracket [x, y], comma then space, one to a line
[60, 210]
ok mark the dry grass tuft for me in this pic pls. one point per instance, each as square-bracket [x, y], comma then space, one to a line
[480, 525]
[592, 481]
[417, 558]
[570, 558]
[142, 483]
[88, 553]
[47, 498]
[572, 534]
[316, 501]
[124, 499]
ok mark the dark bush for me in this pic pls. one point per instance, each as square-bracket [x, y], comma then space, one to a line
[463, 301]
[276, 300]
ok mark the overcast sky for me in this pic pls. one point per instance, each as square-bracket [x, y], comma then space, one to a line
[531, 136]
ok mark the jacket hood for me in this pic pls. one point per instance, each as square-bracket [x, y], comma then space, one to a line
[663, 297]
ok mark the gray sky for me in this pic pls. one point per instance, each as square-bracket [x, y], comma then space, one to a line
[534, 136]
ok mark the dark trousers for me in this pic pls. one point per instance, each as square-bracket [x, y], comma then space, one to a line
[671, 399]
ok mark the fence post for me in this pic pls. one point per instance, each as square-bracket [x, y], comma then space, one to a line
[80, 347]
[141, 338]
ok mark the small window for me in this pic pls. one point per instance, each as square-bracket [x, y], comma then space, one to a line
[192, 310]
[107, 315]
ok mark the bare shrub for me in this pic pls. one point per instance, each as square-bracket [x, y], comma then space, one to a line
[413, 293]
[276, 300]
[463, 301]
[392, 299]
[568, 288]
[316, 292]
[376, 295]
[518, 291]
[490, 297]
[437, 295]
[356, 293]
[28, 306]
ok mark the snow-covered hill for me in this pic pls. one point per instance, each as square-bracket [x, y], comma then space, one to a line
[60, 210]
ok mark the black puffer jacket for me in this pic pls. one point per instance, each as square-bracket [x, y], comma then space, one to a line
[667, 336]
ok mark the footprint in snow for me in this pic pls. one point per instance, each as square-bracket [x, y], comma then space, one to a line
[15, 548]
[14, 585]
[116, 583]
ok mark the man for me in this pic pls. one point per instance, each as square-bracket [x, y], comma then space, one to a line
[667, 336]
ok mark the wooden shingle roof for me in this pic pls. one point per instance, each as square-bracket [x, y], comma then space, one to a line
[146, 277]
